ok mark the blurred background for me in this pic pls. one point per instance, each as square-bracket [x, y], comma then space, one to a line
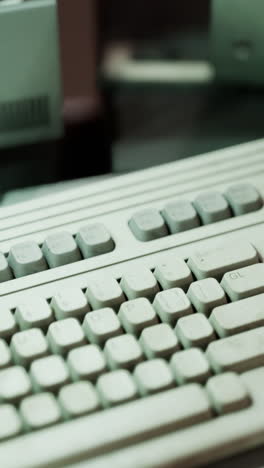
[138, 90]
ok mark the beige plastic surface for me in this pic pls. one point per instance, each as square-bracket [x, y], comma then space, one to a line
[113, 203]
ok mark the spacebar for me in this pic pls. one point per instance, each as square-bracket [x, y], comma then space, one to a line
[111, 429]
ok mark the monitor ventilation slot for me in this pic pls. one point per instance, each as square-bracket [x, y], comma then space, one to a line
[24, 114]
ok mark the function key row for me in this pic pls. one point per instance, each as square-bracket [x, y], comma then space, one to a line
[207, 208]
[58, 249]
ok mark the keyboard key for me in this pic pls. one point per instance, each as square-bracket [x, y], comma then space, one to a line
[153, 376]
[78, 399]
[254, 381]
[180, 216]
[49, 373]
[244, 282]
[173, 273]
[8, 324]
[116, 387]
[104, 292]
[60, 249]
[237, 353]
[94, 240]
[159, 341]
[10, 422]
[14, 384]
[212, 207]
[139, 282]
[227, 393]
[136, 315]
[101, 325]
[36, 312]
[28, 345]
[148, 225]
[39, 411]
[206, 294]
[123, 351]
[26, 258]
[5, 270]
[190, 365]
[239, 316]
[259, 246]
[243, 198]
[194, 330]
[65, 335]
[218, 261]
[172, 304]
[70, 302]
[87, 362]
[5, 355]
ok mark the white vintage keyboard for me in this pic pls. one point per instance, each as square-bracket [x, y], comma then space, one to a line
[132, 318]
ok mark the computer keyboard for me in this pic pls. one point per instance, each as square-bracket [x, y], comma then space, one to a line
[132, 318]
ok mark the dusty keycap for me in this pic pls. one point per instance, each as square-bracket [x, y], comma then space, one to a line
[212, 207]
[136, 315]
[86, 362]
[60, 249]
[78, 399]
[227, 392]
[238, 316]
[101, 325]
[5, 270]
[172, 304]
[70, 302]
[153, 376]
[173, 273]
[5, 354]
[244, 282]
[26, 258]
[259, 246]
[123, 351]
[194, 330]
[28, 345]
[104, 292]
[14, 384]
[139, 282]
[190, 365]
[180, 216]
[94, 240]
[39, 411]
[49, 373]
[215, 263]
[35, 312]
[148, 225]
[206, 294]
[65, 335]
[116, 387]
[238, 353]
[8, 324]
[243, 198]
[159, 341]
[10, 422]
